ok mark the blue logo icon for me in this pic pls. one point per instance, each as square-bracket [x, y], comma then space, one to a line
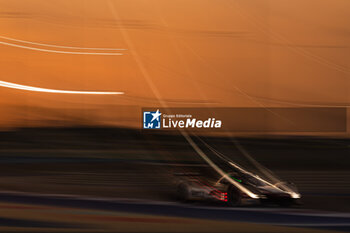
[151, 120]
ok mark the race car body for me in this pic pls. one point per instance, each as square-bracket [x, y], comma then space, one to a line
[246, 188]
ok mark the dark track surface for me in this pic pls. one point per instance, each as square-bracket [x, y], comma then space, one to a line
[273, 216]
[114, 164]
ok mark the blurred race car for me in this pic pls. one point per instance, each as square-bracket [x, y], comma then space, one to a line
[237, 187]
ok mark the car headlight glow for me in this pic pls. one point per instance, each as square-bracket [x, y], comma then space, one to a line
[295, 195]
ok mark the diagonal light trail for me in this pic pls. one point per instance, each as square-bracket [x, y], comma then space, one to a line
[39, 89]
[58, 51]
[153, 87]
[60, 46]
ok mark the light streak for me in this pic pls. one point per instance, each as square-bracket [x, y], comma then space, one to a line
[216, 168]
[60, 46]
[58, 51]
[39, 89]
[157, 94]
[287, 190]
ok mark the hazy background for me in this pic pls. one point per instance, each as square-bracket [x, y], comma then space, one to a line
[79, 163]
[199, 53]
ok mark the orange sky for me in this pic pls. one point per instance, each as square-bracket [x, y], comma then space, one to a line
[230, 53]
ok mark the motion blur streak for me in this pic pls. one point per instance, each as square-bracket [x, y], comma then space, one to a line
[59, 51]
[288, 44]
[215, 167]
[59, 46]
[39, 89]
[185, 134]
[222, 156]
